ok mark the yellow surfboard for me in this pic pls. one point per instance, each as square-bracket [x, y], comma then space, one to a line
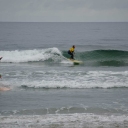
[76, 62]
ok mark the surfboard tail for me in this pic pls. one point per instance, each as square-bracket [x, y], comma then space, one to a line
[76, 62]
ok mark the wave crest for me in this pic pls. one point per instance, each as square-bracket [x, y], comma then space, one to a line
[90, 58]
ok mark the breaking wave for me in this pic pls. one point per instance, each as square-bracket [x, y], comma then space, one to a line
[90, 58]
[36, 55]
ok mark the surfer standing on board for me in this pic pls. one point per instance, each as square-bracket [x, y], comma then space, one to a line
[71, 52]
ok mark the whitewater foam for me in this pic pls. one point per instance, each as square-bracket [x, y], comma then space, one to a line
[68, 79]
[18, 56]
[64, 121]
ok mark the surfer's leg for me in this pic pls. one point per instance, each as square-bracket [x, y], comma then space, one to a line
[70, 54]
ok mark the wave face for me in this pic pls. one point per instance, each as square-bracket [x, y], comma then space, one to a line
[103, 57]
[90, 58]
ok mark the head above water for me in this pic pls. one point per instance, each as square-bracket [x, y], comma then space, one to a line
[73, 46]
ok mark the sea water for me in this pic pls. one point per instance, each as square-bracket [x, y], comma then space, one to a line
[48, 91]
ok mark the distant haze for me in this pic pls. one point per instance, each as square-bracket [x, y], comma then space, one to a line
[64, 10]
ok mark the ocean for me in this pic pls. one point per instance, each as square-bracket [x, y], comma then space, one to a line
[49, 91]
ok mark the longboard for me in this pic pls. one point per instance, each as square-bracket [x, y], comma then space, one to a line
[76, 62]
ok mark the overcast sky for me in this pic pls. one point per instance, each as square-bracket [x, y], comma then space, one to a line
[64, 10]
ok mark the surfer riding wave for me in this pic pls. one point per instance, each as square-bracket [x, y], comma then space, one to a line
[71, 52]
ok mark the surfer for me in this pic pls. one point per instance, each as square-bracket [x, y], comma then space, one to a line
[71, 52]
[1, 58]
[3, 88]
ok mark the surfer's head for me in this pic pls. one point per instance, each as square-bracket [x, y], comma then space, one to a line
[73, 46]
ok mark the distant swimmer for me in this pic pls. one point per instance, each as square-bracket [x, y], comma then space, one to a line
[3, 88]
[71, 52]
[1, 58]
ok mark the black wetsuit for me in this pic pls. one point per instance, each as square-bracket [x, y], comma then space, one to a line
[71, 53]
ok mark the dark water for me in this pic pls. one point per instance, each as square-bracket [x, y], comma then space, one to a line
[47, 90]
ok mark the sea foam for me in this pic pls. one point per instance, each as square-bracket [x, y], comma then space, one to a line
[18, 56]
[65, 121]
[68, 79]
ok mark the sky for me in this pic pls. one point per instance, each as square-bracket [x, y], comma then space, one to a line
[63, 10]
